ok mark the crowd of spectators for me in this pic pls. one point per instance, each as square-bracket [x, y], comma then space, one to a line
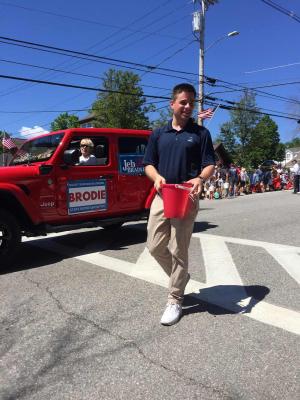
[232, 181]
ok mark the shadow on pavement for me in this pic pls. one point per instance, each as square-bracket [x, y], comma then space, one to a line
[44, 251]
[225, 299]
[203, 226]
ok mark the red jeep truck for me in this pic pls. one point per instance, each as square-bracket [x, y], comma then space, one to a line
[45, 188]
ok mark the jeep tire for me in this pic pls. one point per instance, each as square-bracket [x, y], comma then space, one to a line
[10, 237]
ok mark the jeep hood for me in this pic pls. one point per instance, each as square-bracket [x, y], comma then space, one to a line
[18, 173]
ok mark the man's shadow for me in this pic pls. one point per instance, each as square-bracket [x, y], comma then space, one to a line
[224, 299]
[202, 226]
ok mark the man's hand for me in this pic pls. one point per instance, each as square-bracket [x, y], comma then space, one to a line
[159, 181]
[197, 186]
[153, 174]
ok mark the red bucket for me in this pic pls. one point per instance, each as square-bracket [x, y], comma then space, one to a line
[176, 199]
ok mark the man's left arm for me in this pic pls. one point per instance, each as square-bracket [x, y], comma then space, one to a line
[208, 161]
[197, 182]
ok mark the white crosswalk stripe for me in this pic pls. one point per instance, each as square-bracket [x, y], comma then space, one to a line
[223, 286]
[220, 268]
[289, 259]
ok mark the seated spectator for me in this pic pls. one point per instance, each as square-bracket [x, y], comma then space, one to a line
[217, 194]
[86, 148]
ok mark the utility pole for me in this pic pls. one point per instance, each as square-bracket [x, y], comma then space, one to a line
[199, 31]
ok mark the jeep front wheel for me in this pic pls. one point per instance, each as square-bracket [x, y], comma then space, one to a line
[10, 237]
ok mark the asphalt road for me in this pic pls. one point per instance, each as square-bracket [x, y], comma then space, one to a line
[80, 311]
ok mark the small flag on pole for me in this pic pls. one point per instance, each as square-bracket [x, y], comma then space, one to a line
[206, 113]
[8, 143]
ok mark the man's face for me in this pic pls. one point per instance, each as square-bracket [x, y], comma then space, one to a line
[183, 106]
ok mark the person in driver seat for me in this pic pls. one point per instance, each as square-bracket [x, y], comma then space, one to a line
[86, 149]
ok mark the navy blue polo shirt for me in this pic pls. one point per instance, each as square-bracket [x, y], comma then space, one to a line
[180, 155]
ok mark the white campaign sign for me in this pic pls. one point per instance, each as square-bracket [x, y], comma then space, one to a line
[86, 196]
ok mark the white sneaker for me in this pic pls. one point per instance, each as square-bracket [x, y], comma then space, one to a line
[172, 314]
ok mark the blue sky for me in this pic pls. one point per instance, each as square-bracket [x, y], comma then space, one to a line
[147, 33]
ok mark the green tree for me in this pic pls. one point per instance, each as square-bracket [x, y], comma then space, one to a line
[228, 138]
[293, 143]
[65, 121]
[164, 117]
[124, 106]
[265, 142]
[244, 120]
[238, 132]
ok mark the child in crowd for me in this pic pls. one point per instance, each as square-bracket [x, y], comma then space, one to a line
[211, 189]
[226, 189]
[217, 194]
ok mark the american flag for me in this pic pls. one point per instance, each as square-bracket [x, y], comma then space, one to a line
[8, 143]
[206, 113]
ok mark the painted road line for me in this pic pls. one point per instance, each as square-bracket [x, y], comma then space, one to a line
[247, 242]
[289, 260]
[286, 256]
[221, 295]
[220, 268]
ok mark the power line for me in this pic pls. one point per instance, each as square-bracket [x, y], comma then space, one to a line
[258, 92]
[125, 93]
[62, 111]
[76, 54]
[93, 22]
[132, 23]
[241, 87]
[69, 72]
[236, 103]
[87, 56]
[171, 56]
[106, 60]
[147, 35]
[281, 9]
[18, 78]
[225, 107]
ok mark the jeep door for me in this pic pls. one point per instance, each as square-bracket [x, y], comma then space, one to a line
[87, 191]
[133, 185]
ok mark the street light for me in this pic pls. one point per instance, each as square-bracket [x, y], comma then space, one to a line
[230, 34]
[199, 26]
[201, 68]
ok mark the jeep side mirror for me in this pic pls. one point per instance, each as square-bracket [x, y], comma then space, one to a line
[71, 157]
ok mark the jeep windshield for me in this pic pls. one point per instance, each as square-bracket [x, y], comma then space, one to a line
[37, 150]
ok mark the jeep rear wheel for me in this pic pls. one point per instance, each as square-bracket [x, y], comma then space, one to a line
[10, 237]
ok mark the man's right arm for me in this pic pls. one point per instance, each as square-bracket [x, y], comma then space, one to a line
[154, 176]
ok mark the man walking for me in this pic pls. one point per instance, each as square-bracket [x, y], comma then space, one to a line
[296, 171]
[181, 151]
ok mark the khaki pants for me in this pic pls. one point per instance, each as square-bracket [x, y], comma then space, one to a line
[168, 242]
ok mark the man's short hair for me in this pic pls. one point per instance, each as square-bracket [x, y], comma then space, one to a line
[183, 87]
